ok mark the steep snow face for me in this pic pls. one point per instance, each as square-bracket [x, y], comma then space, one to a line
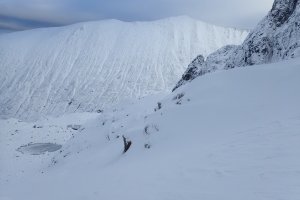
[228, 135]
[89, 66]
[276, 37]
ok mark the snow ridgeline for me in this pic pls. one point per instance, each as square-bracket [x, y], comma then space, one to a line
[276, 38]
[90, 66]
[228, 135]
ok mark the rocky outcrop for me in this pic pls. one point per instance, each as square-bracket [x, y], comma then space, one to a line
[282, 10]
[200, 67]
[192, 71]
[276, 37]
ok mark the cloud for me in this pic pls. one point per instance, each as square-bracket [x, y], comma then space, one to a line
[37, 13]
[15, 24]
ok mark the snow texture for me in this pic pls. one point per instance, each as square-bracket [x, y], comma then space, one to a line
[229, 135]
[90, 66]
[275, 38]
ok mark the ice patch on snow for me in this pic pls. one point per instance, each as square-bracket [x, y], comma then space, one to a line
[39, 148]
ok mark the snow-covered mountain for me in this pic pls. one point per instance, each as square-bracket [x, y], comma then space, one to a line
[88, 66]
[275, 38]
[230, 135]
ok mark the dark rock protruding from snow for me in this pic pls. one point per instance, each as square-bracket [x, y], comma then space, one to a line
[282, 10]
[200, 67]
[192, 71]
[276, 37]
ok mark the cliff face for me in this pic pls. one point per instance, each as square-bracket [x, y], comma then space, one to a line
[276, 37]
[282, 10]
[200, 67]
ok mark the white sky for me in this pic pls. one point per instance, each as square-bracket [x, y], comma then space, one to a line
[17, 14]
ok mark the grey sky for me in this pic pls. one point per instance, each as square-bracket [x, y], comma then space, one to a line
[27, 14]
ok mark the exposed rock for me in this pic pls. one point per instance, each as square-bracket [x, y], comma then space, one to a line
[199, 67]
[75, 127]
[276, 37]
[282, 10]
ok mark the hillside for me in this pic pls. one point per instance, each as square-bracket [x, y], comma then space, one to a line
[91, 66]
[226, 135]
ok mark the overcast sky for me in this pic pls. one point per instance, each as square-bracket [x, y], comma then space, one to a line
[27, 14]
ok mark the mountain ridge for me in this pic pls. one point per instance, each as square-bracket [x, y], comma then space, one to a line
[90, 66]
[275, 38]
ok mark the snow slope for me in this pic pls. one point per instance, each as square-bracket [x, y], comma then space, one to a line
[90, 66]
[227, 135]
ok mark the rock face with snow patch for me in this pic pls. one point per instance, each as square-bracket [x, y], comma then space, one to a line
[200, 67]
[90, 66]
[275, 38]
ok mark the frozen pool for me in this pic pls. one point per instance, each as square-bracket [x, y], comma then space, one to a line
[39, 148]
